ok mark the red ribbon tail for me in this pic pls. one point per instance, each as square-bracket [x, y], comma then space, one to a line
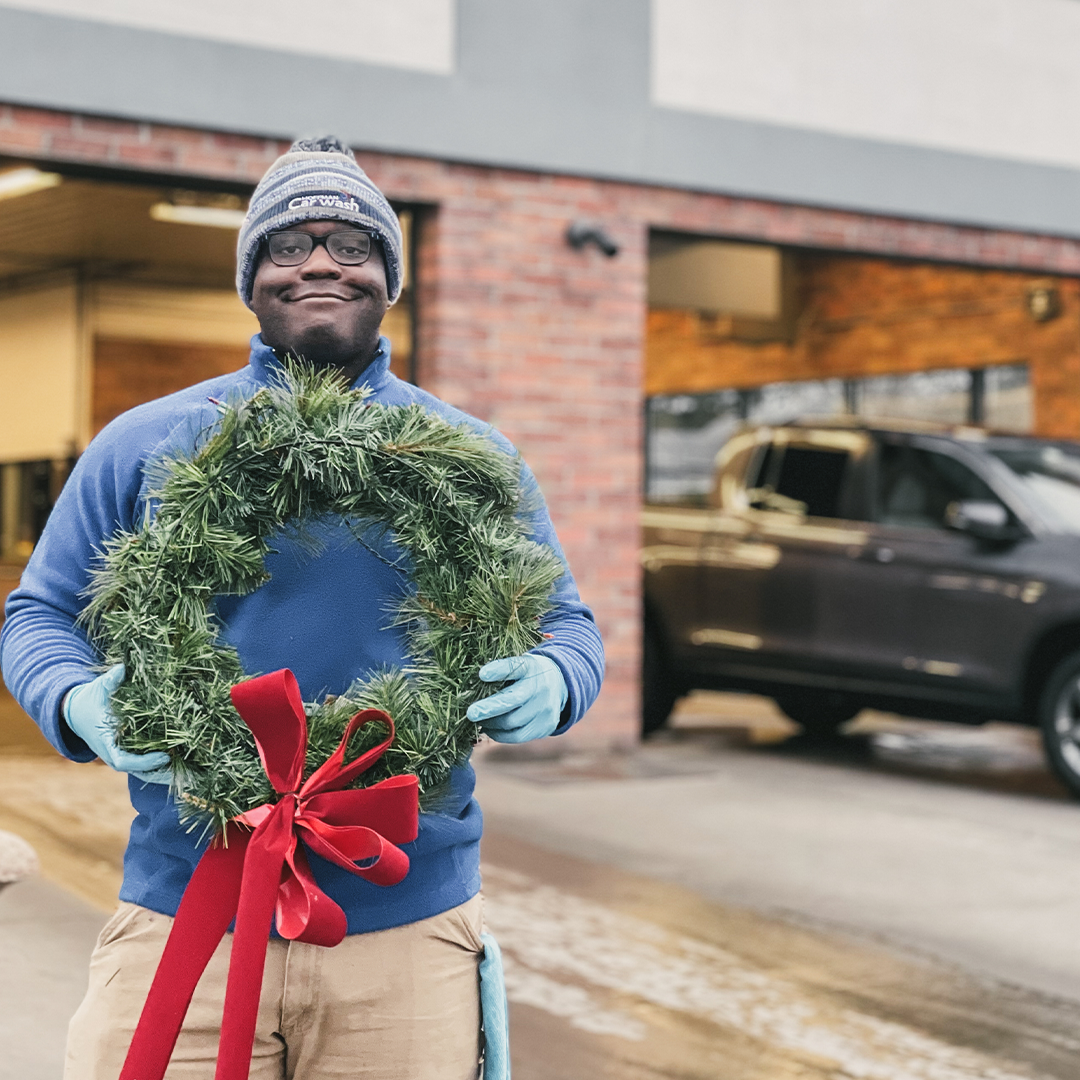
[305, 912]
[263, 865]
[207, 908]
[248, 880]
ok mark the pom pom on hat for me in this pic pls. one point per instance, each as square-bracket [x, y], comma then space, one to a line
[317, 180]
[324, 144]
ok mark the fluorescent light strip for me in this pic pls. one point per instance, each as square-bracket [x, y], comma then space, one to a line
[218, 217]
[24, 181]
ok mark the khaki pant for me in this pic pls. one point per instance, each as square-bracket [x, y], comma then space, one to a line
[399, 1004]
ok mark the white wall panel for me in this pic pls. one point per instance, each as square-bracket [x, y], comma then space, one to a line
[174, 315]
[995, 77]
[40, 351]
[415, 34]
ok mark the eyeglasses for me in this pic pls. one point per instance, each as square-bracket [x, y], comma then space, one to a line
[347, 248]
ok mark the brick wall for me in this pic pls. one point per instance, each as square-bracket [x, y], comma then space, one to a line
[546, 342]
[42, 135]
[863, 316]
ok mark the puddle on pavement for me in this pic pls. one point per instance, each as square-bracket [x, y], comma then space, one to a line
[993, 756]
[566, 768]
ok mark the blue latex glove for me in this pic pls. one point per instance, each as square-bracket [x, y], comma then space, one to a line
[494, 1012]
[527, 710]
[87, 711]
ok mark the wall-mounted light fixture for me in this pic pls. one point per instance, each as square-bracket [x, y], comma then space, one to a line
[1043, 300]
[25, 181]
[579, 234]
[218, 217]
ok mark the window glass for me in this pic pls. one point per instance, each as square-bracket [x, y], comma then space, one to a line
[915, 487]
[1008, 401]
[942, 395]
[683, 435]
[1051, 475]
[684, 432]
[801, 480]
[28, 490]
[779, 403]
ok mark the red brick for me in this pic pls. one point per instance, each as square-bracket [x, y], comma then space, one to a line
[78, 148]
[215, 166]
[104, 126]
[15, 141]
[187, 136]
[41, 118]
[150, 156]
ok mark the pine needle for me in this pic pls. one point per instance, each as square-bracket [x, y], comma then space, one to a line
[300, 449]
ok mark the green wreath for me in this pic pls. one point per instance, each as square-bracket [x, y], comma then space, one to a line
[300, 450]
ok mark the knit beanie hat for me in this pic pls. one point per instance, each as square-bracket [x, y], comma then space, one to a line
[318, 179]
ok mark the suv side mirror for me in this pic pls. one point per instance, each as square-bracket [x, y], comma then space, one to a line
[983, 519]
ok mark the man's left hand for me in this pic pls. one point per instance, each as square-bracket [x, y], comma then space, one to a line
[528, 709]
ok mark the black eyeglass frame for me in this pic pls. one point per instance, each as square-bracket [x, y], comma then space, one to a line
[323, 241]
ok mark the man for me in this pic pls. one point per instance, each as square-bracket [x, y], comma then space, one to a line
[319, 260]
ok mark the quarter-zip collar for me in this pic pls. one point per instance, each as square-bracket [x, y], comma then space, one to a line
[265, 364]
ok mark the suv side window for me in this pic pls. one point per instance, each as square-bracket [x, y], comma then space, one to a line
[801, 480]
[915, 487]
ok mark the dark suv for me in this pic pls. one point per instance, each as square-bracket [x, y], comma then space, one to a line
[929, 571]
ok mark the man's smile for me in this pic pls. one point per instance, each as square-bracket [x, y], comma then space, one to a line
[294, 298]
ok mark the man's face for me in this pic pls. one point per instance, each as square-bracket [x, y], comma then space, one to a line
[320, 310]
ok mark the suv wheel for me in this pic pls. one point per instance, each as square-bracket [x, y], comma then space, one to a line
[1059, 720]
[818, 712]
[658, 693]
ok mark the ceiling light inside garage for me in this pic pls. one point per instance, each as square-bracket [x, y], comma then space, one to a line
[23, 181]
[219, 217]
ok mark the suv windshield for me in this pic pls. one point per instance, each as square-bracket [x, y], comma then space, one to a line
[1051, 475]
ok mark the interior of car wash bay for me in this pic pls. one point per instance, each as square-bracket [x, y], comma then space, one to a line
[759, 333]
[111, 294]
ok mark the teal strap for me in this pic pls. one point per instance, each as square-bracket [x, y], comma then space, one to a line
[494, 1012]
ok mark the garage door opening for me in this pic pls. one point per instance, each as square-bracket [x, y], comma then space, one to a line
[756, 333]
[112, 294]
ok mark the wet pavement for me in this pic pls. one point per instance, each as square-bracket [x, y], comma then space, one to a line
[46, 935]
[729, 901]
[894, 903]
[980, 877]
[613, 975]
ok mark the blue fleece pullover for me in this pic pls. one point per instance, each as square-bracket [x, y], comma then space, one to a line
[325, 617]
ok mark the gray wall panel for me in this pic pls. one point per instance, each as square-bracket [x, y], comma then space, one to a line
[792, 165]
[560, 86]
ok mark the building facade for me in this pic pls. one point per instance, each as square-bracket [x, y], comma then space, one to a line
[789, 195]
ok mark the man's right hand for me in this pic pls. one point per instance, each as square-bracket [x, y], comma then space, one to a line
[88, 712]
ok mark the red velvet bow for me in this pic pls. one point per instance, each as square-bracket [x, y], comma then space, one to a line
[252, 873]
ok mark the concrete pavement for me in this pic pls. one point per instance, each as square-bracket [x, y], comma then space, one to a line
[983, 878]
[46, 936]
[616, 975]
[718, 904]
